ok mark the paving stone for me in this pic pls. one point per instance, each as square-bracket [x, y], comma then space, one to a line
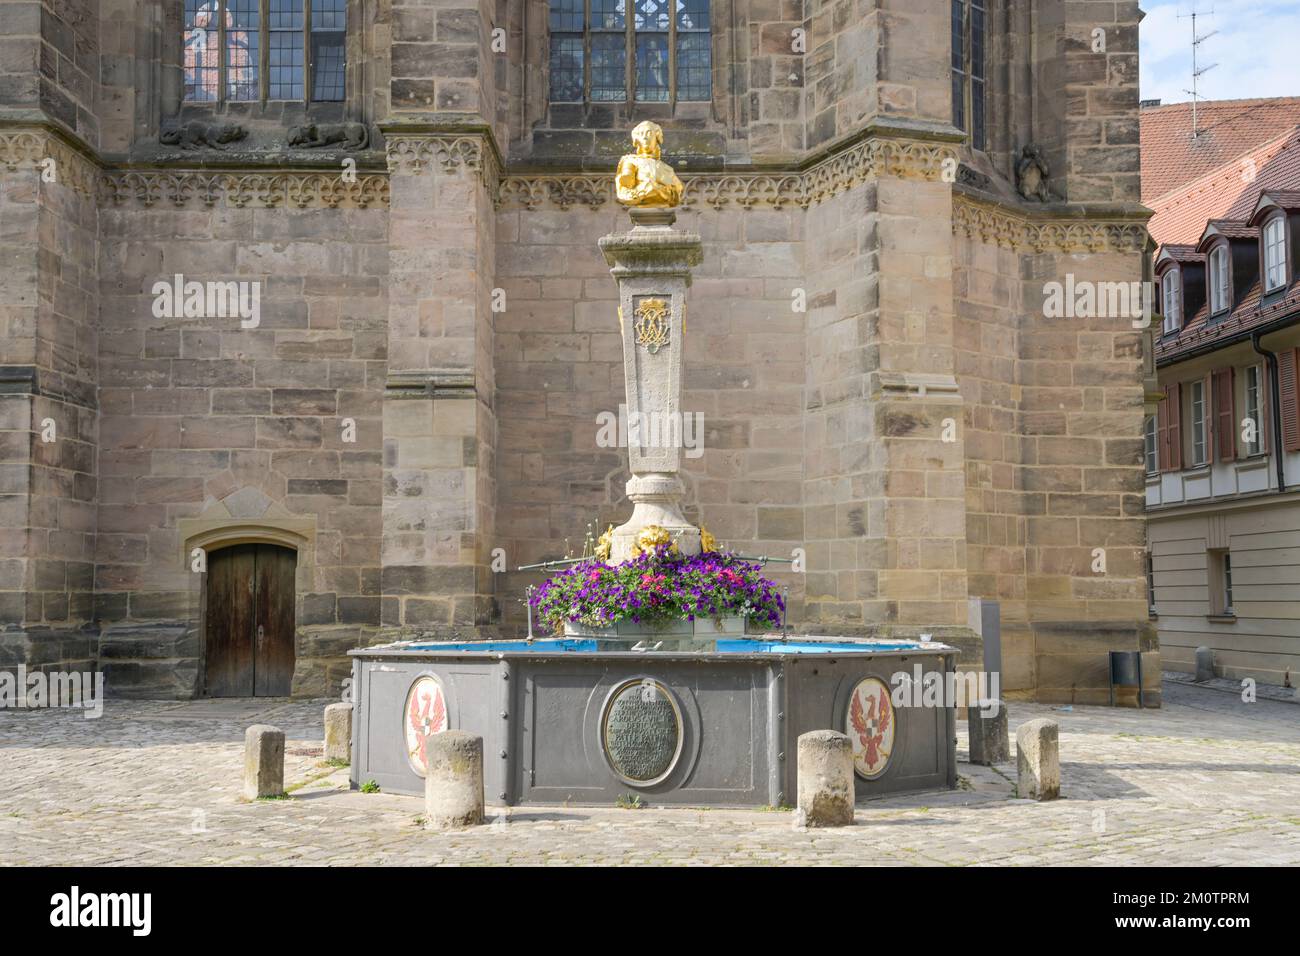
[1206, 780]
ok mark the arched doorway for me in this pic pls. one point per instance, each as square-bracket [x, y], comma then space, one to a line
[249, 621]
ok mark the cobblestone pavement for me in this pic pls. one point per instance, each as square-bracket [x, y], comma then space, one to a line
[1207, 780]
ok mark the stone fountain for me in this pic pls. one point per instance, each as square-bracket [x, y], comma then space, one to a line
[585, 718]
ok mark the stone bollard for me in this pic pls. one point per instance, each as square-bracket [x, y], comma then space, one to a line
[453, 785]
[825, 779]
[1038, 759]
[1204, 664]
[990, 741]
[263, 762]
[338, 732]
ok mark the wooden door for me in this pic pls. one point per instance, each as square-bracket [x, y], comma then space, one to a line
[273, 618]
[249, 621]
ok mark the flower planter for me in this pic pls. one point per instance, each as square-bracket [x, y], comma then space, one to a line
[731, 626]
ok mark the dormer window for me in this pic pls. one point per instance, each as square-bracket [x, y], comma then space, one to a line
[1218, 279]
[1172, 303]
[1274, 236]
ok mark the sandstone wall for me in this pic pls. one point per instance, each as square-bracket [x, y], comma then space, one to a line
[207, 424]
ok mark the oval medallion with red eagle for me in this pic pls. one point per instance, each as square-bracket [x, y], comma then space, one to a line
[870, 727]
[425, 715]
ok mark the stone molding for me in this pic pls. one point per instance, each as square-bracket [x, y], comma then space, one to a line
[264, 190]
[415, 153]
[997, 225]
[867, 159]
[29, 148]
[430, 383]
[419, 152]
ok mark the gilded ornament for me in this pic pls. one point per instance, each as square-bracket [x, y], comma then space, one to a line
[651, 537]
[643, 179]
[651, 324]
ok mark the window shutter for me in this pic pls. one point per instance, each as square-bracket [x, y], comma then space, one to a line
[1290, 395]
[1175, 400]
[1226, 437]
[1162, 434]
[1265, 423]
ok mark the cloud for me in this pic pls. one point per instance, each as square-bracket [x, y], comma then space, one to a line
[1254, 49]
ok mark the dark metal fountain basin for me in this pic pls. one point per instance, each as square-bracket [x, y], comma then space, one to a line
[583, 721]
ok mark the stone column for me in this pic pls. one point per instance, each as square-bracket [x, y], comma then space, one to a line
[453, 783]
[825, 779]
[1038, 759]
[652, 265]
[263, 762]
[338, 732]
[439, 417]
[988, 737]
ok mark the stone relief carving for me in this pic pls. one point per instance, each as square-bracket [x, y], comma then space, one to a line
[1032, 174]
[349, 136]
[196, 135]
[302, 190]
[853, 166]
[998, 226]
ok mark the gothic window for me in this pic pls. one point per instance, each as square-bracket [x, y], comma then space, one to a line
[252, 50]
[662, 53]
[969, 31]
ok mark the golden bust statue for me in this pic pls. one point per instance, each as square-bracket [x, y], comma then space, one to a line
[643, 179]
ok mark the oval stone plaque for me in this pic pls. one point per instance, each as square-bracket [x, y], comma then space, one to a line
[641, 732]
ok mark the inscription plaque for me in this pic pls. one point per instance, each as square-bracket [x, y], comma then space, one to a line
[642, 732]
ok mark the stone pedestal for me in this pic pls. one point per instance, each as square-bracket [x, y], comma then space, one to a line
[263, 762]
[453, 783]
[652, 265]
[825, 779]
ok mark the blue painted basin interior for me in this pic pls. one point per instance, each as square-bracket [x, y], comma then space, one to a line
[721, 645]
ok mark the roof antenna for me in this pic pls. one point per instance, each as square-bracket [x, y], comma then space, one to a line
[1197, 72]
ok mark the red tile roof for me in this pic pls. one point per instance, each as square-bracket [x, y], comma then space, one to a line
[1227, 192]
[1228, 128]
[1226, 197]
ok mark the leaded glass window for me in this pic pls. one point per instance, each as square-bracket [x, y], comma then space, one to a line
[969, 36]
[251, 50]
[659, 51]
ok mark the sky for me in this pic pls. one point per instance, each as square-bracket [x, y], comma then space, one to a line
[1255, 49]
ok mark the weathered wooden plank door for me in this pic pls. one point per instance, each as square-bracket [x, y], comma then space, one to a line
[273, 652]
[248, 646]
[228, 656]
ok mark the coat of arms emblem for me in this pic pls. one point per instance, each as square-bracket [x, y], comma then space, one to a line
[426, 715]
[651, 324]
[871, 727]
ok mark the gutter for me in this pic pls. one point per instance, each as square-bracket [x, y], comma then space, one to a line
[1290, 318]
[1276, 398]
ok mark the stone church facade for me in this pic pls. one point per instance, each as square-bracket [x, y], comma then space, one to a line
[415, 406]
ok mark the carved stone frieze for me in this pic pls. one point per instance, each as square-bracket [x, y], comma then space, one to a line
[999, 226]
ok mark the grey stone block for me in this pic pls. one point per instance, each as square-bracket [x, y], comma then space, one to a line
[338, 732]
[263, 762]
[825, 780]
[453, 785]
[990, 740]
[1038, 759]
